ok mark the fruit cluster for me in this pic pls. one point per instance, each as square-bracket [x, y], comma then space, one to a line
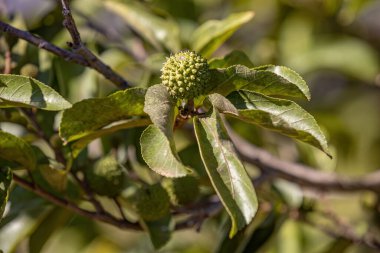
[185, 75]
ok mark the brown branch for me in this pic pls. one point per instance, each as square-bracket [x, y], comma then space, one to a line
[43, 44]
[339, 229]
[64, 54]
[79, 48]
[103, 217]
[302, 174]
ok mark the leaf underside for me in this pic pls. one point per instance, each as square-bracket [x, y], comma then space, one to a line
[225, 170]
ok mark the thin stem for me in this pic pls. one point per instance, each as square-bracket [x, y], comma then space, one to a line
[104, 217]
[79, 48]
[92, 62]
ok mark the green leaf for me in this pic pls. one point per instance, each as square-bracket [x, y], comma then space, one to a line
[268, 80]
[159, 231]
[5, 182]
[78, 145]
[210, 35]
[17, 150]
[222, 104]
[226, 172]
[280, 115]
[235, 57]
[155, 29]
[23, 91]
[160, 108]
[90, 115]
[159, 153]
[157, 142]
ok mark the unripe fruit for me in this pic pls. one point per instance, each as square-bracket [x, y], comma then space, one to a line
[30, 70]
[185, 75]
[107, 177]
[182, 191]
[152, 202]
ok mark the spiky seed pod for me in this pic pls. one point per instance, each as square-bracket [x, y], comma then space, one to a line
[107, 177]
[185, 75]
[182, 191]
[151, 202]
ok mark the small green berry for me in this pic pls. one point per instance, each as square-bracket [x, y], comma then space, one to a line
[185, 75]
[107, 177]
[152, 202]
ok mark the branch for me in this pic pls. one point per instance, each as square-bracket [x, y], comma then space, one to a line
[43, 44]
[301, 174]
[103, 217]
[60, 52]
[79, 48]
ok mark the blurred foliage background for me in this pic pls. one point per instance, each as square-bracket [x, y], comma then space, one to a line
[333, 44]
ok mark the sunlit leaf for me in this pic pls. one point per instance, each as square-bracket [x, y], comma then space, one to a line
[269, 80]
[90, 115]
[155, 29]
[5, 181]
[226, 172]
[159, 153]
[23, 91]
[17, 150]
[210, 35]
[279, 115]
[56, 177]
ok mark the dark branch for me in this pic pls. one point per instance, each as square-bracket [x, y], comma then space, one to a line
[104, 217]
[43, 44]
[79, 48]
[301, 174]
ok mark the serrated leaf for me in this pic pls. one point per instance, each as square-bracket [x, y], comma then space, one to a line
[78, 145]
[23, 91]
[280, 115]
[210, 35]
[90, 115]
[160, 108]
[226, 172]
[268, 80]
[159, 153]
[159, 231]
[157, 142]
[17, 150]
[155, 29]
[5, 182]
[235, 57]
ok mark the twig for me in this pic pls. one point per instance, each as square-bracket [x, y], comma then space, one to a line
[99, 208]
[301, 174]
[103, 217]
[7, 61]
[79, 48]
[43, 44]
[340, 230]
[121, 211]
[64, 54]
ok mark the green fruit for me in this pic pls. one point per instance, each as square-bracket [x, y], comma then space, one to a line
[152, 202]
[185, 75]
[107, 177]
[182, 191]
